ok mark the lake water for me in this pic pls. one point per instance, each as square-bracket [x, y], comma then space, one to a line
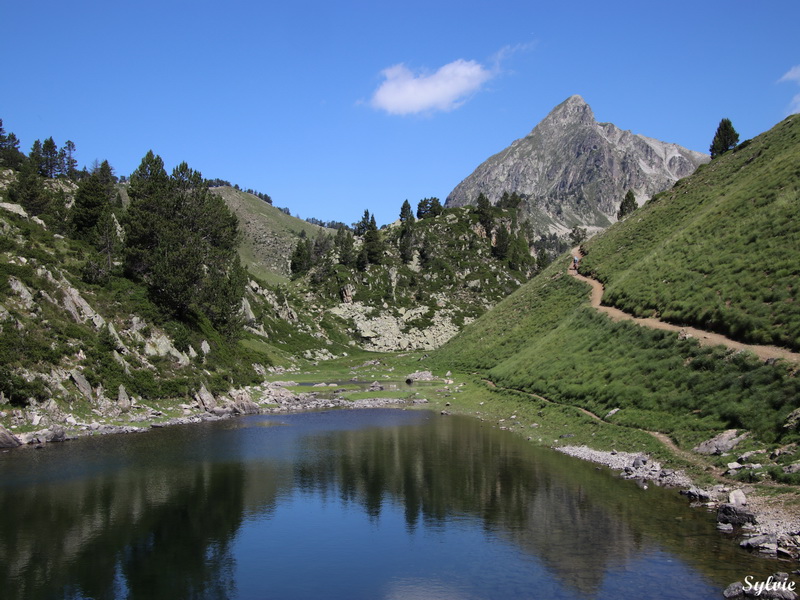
[373, 504]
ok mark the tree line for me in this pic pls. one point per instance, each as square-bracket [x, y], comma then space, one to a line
[175, 237]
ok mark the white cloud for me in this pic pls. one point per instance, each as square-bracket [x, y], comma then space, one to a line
[793, 74]
[404, 92]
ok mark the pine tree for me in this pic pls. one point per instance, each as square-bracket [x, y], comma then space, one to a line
[90, 203]
[181, 240]
[49, 158]
[485, 212]
[344, 245]
[373, 243]
[725, 138]
[406, 215]
[627, 206]
[502, 242]
[29, 191]
[301, 257]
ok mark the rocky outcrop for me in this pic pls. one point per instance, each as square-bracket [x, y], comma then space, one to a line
[573, 169]
[720, 444]
[387, 331]
[7, 439]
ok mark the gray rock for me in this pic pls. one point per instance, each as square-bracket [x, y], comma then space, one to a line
[55, 433]
[375, 387]
[25, 295]
[719, 444]
[735, 515]
[123, 400]
[737, 498]
[83, 385]
[568, 159]
[14, 208]
[206, 399]
[205, 348]
[7, 439]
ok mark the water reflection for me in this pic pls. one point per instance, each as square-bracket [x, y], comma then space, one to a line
[190, 511]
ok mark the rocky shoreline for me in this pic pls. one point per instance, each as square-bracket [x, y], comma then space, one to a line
[766, 525]
[271, 397]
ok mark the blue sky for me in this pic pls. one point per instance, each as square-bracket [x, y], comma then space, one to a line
[336, 107]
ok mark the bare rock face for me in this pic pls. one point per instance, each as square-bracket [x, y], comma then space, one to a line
[573, 169]
[7, 439]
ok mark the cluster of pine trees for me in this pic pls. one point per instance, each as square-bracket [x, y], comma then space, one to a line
[175, 236]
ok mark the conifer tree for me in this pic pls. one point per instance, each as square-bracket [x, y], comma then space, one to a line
[725, 138]
[627, 206]
[373, 243]
[483, 208]
[181, 240]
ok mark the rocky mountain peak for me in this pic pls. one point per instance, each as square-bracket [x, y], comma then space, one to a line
[572, 170]
[574, 110]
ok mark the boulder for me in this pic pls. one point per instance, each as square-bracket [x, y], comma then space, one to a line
[735, 515]
[55, 433]
[123, 400]
[83, 385]
[719, 444]
[205, 399]
[7, 439]
[737, 498]
[242, 404]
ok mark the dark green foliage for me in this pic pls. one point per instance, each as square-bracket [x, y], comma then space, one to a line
[405, 239]
[345, 247]
[301, 257]
[373, 244]
[627, 206]
[362, 226]
[509, 201]
[29, 191]
[429, 207]
[485, 212]
[49, 159]
[181, 240]
[501, 243]
[577, 235]
[91, 201]
[10, 156]
[725, 138]
[406, 214]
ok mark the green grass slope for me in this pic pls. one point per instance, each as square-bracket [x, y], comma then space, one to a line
[545, 338]
[720, 251]
[268, 234]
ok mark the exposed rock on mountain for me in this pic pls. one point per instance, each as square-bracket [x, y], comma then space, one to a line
[573, 170]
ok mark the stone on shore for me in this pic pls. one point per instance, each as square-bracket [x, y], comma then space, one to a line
[7, 439]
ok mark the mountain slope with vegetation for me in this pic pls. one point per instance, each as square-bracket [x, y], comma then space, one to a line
[545, 339]
[414, 283]
[718, 251]
[268, 233]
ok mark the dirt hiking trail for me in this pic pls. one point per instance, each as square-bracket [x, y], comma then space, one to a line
[706, 338]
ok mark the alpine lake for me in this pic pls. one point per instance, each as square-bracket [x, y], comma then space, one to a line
[350, 504]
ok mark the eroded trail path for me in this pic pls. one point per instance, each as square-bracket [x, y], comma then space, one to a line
[706, 338]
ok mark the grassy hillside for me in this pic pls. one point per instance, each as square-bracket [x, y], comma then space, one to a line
[545, 339]
[268, 234]
[720, 250]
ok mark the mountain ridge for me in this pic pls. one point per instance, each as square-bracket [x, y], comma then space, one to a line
[572, 170]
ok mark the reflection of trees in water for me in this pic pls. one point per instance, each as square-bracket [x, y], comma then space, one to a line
[575, 519]
[161, 533]
[458, 467]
